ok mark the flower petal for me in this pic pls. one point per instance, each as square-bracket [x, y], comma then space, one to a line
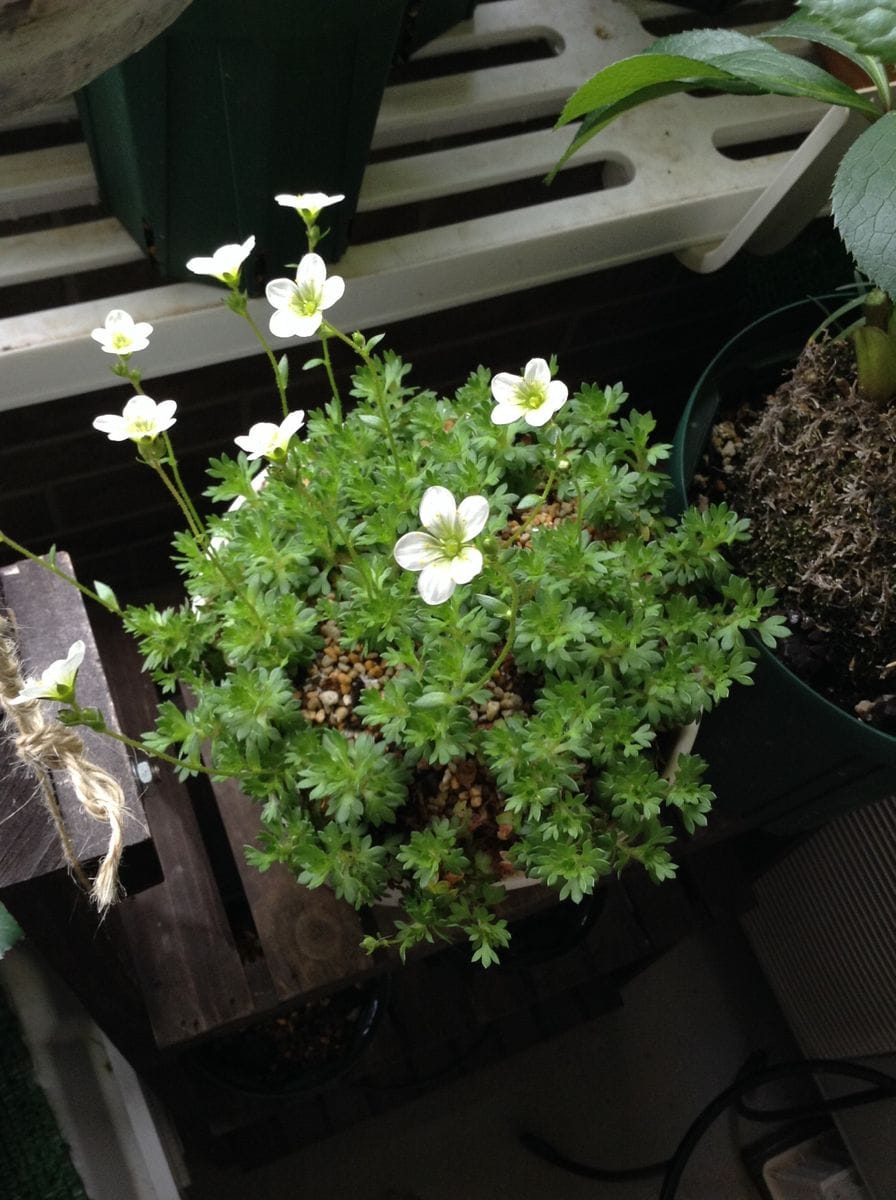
[417, 550]
[436, 582]
[466, 565]
[537, 371]
[333, 290]
[283, 323]
[506, 414]
[280, 292]
[504, 387]
[312, 269]
[202, 266]
[291, 424]
[113, 426]
[472, 514]
[165, 411]
[438, 509]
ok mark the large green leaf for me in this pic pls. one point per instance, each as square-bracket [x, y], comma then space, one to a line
[864, 202]
[721, 60]
[754, 61]
[870, 25]
[623, 80]
[800, 26]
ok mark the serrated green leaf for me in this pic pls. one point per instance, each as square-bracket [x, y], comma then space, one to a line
[752, 61]
[799, 25]
[870, 25]
[862, 202]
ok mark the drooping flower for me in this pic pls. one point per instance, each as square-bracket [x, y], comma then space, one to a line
[533, 396]
[225, 263]
[141, 420]
[443, 555]
[308, 204]
[267, 440]
[57, 681]
[300, 305]
[121, 334]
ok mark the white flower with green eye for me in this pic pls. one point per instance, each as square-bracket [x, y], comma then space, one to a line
[300, 305]
[532, 397]
[308, 204]
[267, 440]
[443, 554]
[141, 420]
[121, 334]
[226, 262]
[57, 682]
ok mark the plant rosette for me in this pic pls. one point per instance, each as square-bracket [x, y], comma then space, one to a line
[442, 644]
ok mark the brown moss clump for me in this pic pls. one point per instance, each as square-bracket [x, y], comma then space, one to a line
[815, 471]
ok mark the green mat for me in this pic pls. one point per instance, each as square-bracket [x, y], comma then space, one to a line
[34, 1159]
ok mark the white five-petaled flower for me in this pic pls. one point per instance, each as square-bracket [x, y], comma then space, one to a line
[121, 334]
[300, 305]
[308, 204]
[267, 440]
[532, 396]
[225, 263]
[443, 555]
[141, 420]
[57, 682]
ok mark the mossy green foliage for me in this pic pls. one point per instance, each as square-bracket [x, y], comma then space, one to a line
[623, 623]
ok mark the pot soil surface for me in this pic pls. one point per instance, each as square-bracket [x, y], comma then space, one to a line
[813, 466]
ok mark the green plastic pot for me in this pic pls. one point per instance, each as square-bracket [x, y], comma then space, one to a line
[193, 136]
[781, 756]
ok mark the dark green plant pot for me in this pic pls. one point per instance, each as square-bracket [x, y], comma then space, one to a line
[781, 756]
[426, 19]
[270, 1060]
[193, 136]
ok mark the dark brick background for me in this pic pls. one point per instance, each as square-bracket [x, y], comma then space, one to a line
[653, 324]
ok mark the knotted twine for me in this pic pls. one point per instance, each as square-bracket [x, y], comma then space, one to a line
[46, 745]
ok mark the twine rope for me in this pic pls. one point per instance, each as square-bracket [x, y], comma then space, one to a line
[46, 745]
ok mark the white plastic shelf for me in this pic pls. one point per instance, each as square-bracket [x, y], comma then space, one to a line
[661, 183]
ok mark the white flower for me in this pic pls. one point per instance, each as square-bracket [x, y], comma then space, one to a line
[141, 420]
[225, 263]
[121, 334]
[266, 440]
[308, 204]
[300, 305]
[443, 556]
[534, 396]
[57, 682]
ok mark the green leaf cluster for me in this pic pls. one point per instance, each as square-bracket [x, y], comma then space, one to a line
[617, 624]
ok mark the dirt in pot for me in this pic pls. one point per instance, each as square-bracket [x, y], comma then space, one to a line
[298, 1049]
[813, 466]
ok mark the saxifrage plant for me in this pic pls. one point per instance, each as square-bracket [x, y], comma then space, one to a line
[440, 641]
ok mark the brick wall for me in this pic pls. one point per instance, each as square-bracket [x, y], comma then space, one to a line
[653, 324]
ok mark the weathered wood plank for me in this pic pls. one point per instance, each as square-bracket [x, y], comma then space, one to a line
[54, 253]
[183, 950]
[311, 940]
[49, 616]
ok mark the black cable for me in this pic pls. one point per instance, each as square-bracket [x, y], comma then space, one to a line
[885, 1085]
[747, 1079]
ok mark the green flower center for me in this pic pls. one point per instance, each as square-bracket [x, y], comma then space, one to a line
[121, 340]
[306, 302]
[530, 394]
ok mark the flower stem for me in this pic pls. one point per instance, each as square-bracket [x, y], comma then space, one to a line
[185, 495]
[133, 744]
[508, 641]
[366, 358]
[184, 505]
[240, 306]
[54, 570]
[328, 366]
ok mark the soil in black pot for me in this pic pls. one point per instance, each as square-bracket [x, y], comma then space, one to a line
[302, 1048]
[814, 469]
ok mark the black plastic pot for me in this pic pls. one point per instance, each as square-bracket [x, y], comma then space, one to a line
[781, 755]
[252, 1061]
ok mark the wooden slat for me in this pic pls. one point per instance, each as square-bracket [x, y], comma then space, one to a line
[52, 253]
[59, 113]
[49, 615]
[48, 180]
[181, 944]
[310, 940]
